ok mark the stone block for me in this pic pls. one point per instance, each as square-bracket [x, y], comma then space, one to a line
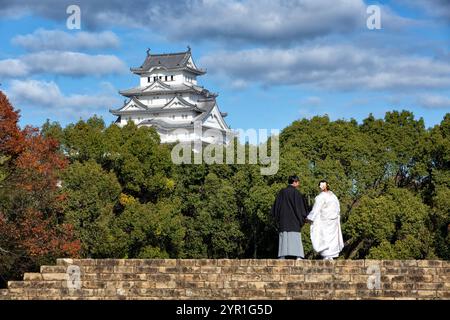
[275, 293]
[344, 294]
[349, 263]
[319, 270]
[399, 263]
[55, 276]
[146, 269]
[261, 270]
[281, 270]
[319, 278]
[246, 277]
[187, 262]
[280, 262]
[203, 293]
[322, 294]
[190, 269]
[235, 284]
[206, 262]
[210, 269]
[394, 270]
[292, 277]
[421, 278]
[230, 279]
[159, 277]
[443, 294]
[53, 269]
[299, 270]
[213, 284]
[424, 293]
[341, 277]
[350, 270]
[399, 286]
[228, 263]
[323, 263]
[443, 271]
[166, 285]
[107, 262]
[343, 286]
[429, 286]
[257, 285]
[256, 263]
[366, 293]
[124, 269]
[429, 263]
[298, 294]
[271, 277]
[32, 276]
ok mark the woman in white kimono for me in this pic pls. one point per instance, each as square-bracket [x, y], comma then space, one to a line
[326, 234]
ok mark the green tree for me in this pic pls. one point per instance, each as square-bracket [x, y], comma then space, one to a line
[91, 196]
[390, 226]
[153, 230]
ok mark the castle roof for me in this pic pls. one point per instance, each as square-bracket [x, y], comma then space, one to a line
[166, 88]
[203, 107]
[169, 61]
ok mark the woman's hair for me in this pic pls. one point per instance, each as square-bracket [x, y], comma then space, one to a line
[326, 184]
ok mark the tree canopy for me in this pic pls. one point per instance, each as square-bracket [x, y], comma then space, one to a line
[121, 196]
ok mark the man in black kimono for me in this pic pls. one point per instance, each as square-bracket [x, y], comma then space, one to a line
[290, 211]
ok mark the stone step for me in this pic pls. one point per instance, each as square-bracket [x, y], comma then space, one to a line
[53, 269]
[28, 276]
[234, 279]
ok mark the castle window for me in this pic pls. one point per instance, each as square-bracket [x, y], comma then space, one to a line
[160, 77]
[148, 79]
[166, 78]
[171, 78]
[155, 78]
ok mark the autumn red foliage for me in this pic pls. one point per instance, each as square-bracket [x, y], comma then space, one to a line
[30, 203]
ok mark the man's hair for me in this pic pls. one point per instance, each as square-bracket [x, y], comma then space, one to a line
[293, 179]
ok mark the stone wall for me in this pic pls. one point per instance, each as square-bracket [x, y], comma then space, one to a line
[234, 279]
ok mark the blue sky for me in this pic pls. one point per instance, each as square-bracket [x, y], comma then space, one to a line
[272, 62]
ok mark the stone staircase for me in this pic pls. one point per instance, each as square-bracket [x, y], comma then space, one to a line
[226, 279]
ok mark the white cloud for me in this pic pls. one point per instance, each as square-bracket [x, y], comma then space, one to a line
[62, 63]
[433, 101]
[434, 8]
[74, 63]
[13, 68]
[256, 21]
[42, 39]
[269, 20]
[43, 95]
[336, 67]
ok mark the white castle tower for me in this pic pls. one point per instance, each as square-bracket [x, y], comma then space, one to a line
[169, 99]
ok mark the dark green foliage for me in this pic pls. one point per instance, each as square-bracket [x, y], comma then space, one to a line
[127, 199]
